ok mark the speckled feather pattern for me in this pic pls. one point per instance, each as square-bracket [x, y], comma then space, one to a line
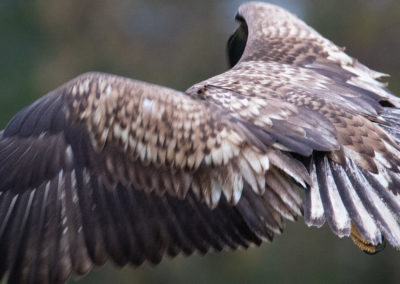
[157, 129]
[109, 168]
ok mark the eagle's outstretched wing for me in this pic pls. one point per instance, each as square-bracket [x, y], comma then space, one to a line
[108, 167]
[278, 58]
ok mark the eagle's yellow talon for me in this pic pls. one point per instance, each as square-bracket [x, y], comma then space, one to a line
[364, 245]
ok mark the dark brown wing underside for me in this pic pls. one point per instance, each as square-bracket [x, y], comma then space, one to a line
[56, 229]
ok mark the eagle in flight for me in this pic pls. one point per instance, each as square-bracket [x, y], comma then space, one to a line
[106, 167]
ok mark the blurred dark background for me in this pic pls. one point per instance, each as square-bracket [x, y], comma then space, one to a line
[45, 43]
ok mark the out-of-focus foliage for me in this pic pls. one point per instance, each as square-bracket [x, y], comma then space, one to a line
[44, 43]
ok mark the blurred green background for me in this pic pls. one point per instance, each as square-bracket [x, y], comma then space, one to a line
[44, 43]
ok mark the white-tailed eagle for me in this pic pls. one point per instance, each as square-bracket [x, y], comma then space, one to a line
[106, 167]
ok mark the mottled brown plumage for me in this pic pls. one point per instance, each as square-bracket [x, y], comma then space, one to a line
[105, 167]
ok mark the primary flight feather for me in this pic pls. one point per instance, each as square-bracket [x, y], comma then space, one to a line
[106, 167]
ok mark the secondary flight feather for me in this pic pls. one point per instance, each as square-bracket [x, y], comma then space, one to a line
[106, 167]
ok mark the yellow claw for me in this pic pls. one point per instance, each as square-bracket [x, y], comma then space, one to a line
[364, 245]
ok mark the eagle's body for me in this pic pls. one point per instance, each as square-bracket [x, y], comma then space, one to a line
[106, 167]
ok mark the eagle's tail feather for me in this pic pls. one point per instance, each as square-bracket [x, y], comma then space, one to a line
[350, 198]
